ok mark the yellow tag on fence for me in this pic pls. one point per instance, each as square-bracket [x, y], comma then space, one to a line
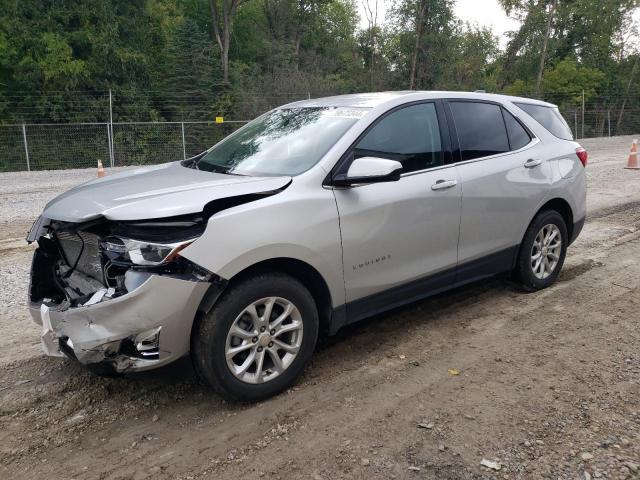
[219, 119]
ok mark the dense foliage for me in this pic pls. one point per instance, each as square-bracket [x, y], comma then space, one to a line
[193, 59]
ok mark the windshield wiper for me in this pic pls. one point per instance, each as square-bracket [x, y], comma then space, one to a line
[212, 167]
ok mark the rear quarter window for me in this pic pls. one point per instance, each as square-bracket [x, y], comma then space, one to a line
[550, 118]
[518, 136]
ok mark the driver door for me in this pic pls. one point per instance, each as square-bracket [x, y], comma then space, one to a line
[400, 239]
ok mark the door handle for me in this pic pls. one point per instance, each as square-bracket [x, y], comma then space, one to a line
[444, 184]
[532, 163]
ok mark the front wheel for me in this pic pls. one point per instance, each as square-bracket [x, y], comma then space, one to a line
[542, 251]
[258, 337]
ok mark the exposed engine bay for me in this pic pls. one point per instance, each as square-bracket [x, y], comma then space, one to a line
[83, 264]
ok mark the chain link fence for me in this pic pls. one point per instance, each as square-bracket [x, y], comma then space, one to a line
[80, 145]
[50, 146]
[602, 122]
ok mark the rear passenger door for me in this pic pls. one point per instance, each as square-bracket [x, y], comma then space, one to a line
[503, 181]
[400, 239]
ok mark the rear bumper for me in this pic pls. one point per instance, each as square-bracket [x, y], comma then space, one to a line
[577, 228]
[103, 333]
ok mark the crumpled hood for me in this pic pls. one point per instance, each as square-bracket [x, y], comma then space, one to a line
[153, 192]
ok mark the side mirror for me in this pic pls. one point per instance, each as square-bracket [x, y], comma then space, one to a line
[369, 170]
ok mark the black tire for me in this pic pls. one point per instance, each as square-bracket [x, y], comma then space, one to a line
[210, 335]
[524, 274]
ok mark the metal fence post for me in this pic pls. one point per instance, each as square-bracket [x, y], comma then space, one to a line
[184, 147]
[575, 122]
[109, 145]
[582, 126]
[609, 121]
[111, 154]
[26, 146]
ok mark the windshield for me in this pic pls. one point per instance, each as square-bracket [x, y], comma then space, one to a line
[287, 141]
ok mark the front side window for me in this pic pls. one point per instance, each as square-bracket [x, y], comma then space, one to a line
[287, 141]
[550, 118]
[481, 129]
[410, 135]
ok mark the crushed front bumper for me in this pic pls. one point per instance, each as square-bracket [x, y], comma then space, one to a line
[157, 317]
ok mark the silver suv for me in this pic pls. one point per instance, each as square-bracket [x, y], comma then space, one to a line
[311, 217]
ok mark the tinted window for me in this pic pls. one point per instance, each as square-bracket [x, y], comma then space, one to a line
[518, 136]
[481, 130]
[410, 135]
[549, 118]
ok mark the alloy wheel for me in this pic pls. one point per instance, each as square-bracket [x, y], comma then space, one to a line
[264, 340]
[545, 253]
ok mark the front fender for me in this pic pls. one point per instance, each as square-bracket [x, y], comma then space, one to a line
[301, 224]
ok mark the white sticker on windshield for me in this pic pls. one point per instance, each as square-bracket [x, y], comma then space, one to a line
[345, 112]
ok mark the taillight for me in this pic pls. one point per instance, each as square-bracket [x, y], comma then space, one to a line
[582, 155]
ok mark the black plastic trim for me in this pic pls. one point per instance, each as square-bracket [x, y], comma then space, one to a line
[341, 179]
[490, 265]
[401, 295]
[218, 285]
[445, 131]
[577, 228]
[220, 204]
[456, 154]
[66, 349]
[498, 262]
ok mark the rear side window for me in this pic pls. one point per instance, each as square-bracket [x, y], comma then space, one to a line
[410, 135]
[549, 118]
[518, 136]
[481, 129]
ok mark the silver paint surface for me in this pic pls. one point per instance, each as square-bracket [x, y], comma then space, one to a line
[97, 330]
[153, 192]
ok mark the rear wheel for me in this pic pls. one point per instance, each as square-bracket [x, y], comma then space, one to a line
[258, 337]
[542, 251]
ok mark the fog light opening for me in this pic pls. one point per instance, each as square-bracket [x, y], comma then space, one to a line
[144, 344]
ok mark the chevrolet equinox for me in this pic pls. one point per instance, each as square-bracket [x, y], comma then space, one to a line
[313, 216]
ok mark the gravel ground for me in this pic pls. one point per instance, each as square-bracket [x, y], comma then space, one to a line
[23, 195]
[548, 383]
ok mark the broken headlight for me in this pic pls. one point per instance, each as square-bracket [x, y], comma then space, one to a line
[122, 250]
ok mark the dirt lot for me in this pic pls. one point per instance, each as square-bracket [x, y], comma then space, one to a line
[548, 383]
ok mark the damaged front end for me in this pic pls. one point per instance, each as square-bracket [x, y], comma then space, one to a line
[117, 295]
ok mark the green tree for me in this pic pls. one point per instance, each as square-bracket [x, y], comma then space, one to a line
[568, 80]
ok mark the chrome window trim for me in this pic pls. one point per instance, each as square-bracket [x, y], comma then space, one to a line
[426, 170]
[534, 141]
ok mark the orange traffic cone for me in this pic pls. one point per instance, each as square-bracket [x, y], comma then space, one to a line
[632, 163]
[100, 169]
